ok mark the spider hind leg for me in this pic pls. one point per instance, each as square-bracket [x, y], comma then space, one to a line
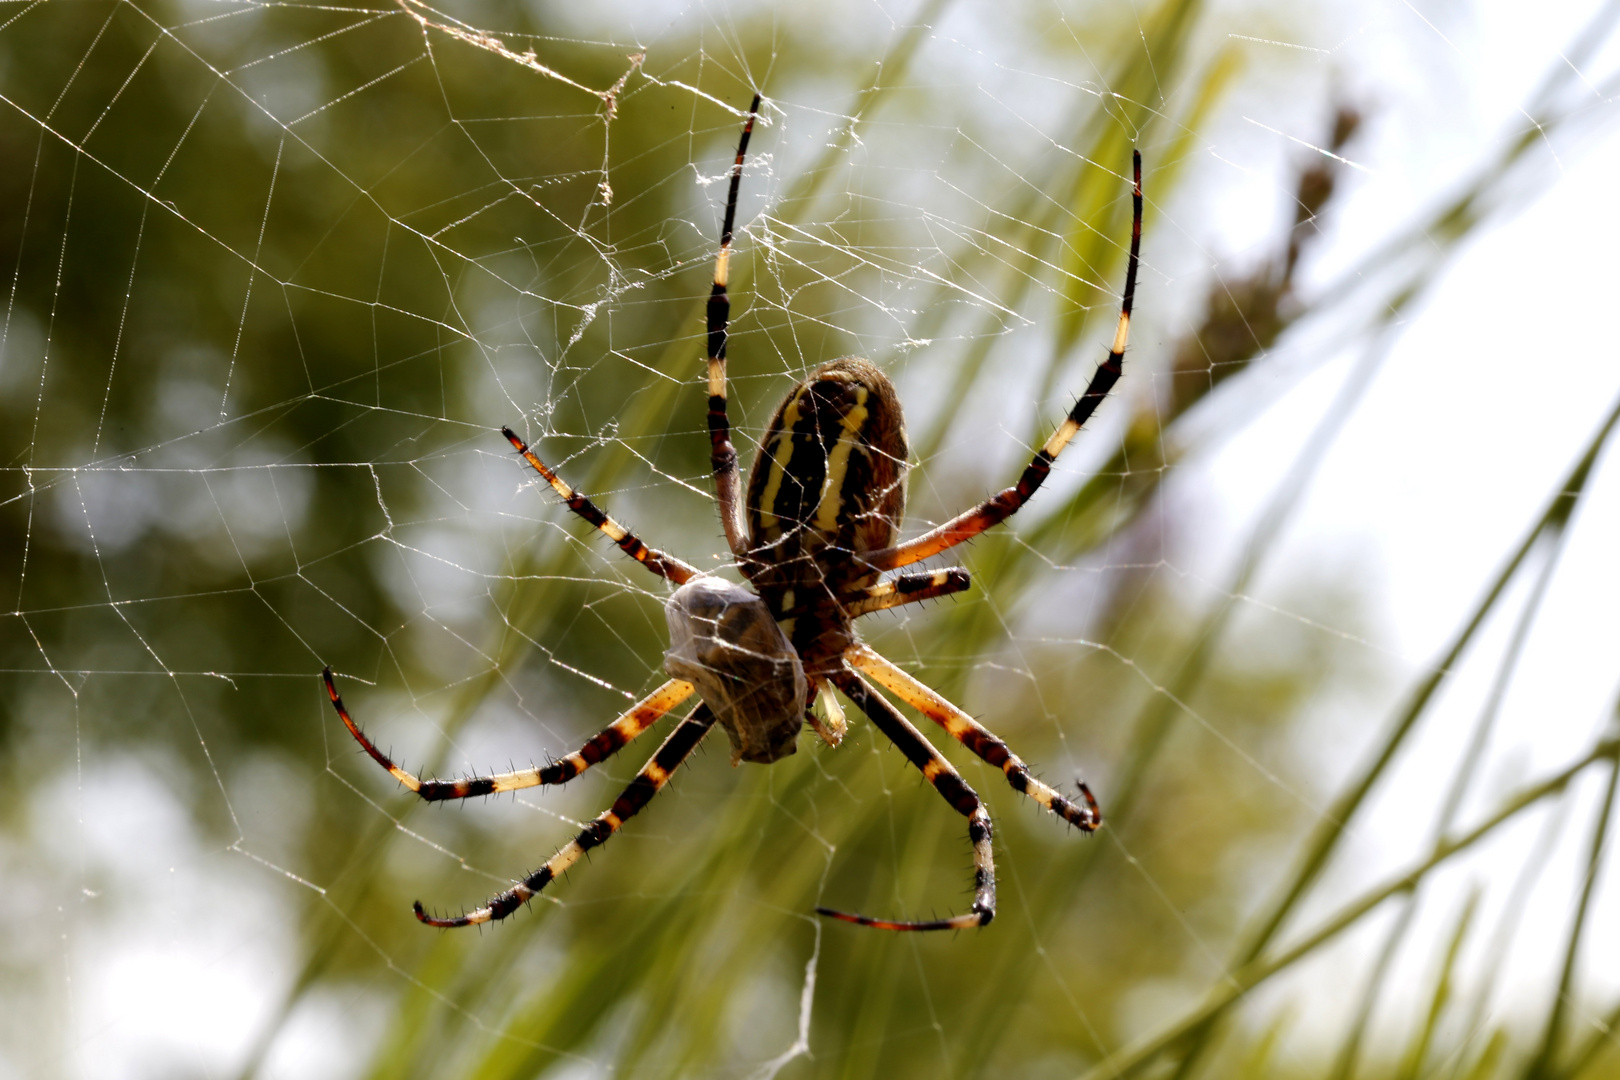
[937, 771]
[977, 738]
[610, 740]
[648, 782]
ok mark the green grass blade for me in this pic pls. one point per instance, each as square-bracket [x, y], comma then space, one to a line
[1440, 1000]
[1239, 982]
[1541, 1065]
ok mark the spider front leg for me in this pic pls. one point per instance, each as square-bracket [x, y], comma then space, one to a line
[976, 737]
[648, 782]
[643, 715]
[1003, 505]
[665, 566]
[937, 771]
[722, 454]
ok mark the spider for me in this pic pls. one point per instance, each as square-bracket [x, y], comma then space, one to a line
[818, 530]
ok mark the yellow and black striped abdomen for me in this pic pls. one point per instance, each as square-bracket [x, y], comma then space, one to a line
[829, 483]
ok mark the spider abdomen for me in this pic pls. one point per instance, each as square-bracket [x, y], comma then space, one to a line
[828, 484]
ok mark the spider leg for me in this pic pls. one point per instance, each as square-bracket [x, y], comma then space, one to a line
[906, 588]
[652, 777]
[665, 566]
[643, 715]
[722, 454]
[999, 507]
[937, 771]
[976, 737]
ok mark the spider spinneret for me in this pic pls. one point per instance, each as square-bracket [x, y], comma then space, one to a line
[819, 530]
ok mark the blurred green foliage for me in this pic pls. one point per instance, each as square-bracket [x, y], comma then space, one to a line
[280, 272]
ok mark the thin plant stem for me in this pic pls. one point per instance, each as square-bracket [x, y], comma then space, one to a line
[1412, 1068]
[1234, 986]
[1518, 902]
[1325, 841]
[1461, 779]
[1554, 517]
[1541, 1066]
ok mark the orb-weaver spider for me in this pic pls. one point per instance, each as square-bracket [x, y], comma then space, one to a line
[819, 528]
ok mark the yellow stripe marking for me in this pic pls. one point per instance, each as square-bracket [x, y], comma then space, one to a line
[557, 483]
[656, 773]
[717, 378]
[565, 858]
[832, 490]
[646, 712]
[513, 781]
[666, 697]
[781, 454]
[918, 695]
[934, 768]
[1060, 438]
[722, 267]
[1122, 334]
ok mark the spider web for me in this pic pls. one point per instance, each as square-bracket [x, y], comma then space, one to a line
[278, 273]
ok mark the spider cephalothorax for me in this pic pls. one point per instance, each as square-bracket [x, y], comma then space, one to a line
[819, 530]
